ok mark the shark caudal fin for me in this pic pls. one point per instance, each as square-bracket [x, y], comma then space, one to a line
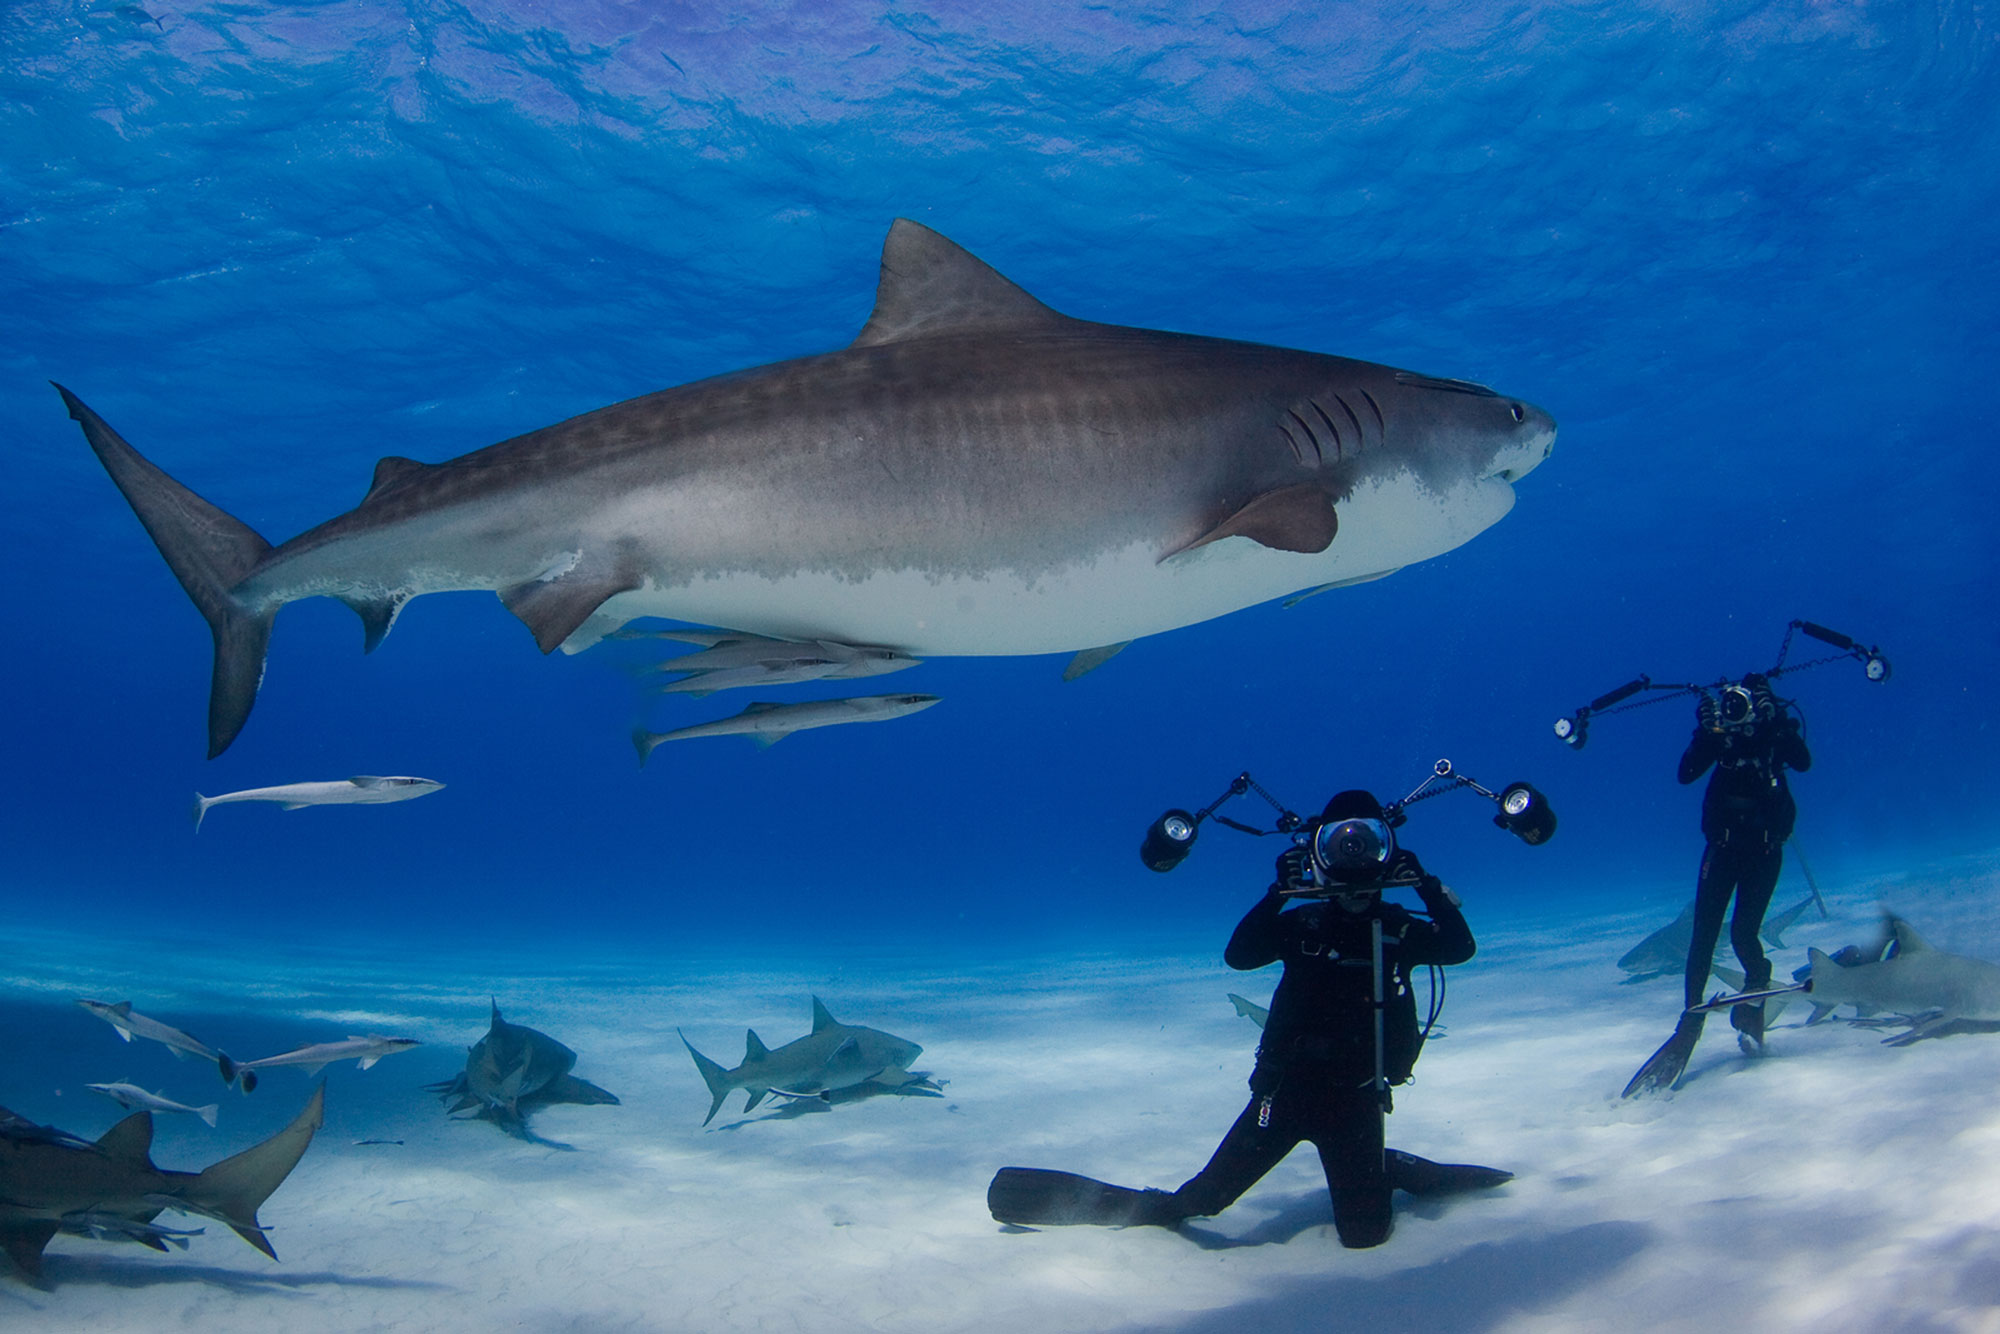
[201, 805]
[712, 1075]
[210, 553]
[232, 1189]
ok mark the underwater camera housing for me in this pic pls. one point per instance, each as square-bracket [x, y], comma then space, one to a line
[1523, 812]
[1732, 704]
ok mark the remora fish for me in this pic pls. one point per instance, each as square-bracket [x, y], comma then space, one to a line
[1931, 989]
[51, 1181]
[974, 474]
[361, 790]
[133, 1098]
[515, 1070]
[131, 1024]
[833, 1056]
[363, 1050]
[767, 724]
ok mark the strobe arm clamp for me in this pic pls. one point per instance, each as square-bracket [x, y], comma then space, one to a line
[1524, 812]
[1171, 837]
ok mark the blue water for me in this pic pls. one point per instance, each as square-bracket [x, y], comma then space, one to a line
[1742, 252]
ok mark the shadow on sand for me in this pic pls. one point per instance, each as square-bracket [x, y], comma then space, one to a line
[1478, 1288]
[59, 1271]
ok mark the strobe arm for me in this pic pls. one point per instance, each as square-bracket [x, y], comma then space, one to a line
[1574, 730]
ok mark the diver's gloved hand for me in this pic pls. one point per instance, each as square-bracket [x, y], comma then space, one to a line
[1403, 868]
[1294, 872]
[1704, 714]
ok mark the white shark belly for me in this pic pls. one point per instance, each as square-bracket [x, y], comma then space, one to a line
[1117, 595]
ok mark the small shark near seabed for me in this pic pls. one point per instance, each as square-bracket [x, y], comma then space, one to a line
[1932, 991]
[833, 1056]
[131, 1024]
[52, 1181]
[133, 1098]
[975, 473]
[363, 790]
[768, 724]
[513, 1071]
[363, 1050]
[1666, 950]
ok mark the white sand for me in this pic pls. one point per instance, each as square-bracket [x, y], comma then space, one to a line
[1835, 1184]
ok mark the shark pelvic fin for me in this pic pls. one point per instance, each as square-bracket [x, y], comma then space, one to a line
[555, 606]
[931, 286]
[210, 552]
[1292, 518]
[232, 1189]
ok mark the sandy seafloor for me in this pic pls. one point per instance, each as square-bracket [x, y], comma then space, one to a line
[1835, 1184]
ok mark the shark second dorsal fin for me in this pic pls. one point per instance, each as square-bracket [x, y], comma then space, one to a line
[822, 1017]
[753, 1046]
[1906, 937]
[389, 471]
[931, 286]
[130, 1141]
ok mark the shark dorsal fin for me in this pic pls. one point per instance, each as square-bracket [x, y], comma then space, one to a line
[130, 1141]
[753, 1046]
[123, 1009]
[822, 1018]
[1907, 939]
[389, 471]
[494, 1001]
[931, 286]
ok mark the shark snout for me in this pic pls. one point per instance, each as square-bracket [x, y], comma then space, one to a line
[1533, 441]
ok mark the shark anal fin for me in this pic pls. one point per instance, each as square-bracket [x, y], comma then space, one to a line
[553, 608]
[931, 286]
[377, 615]
[1297, 518]
[1090, 659]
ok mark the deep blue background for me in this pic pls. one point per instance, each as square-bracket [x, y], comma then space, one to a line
[1743, 252]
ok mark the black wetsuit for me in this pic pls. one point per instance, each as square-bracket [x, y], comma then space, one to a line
[1746, 816]
[1316, 1066]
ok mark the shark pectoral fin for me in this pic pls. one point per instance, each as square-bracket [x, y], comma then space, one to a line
[368, 1062]
[293, 805]
[1090, 659]
[24, 1242]
[1292, 518]
[553, 608]
[377, 615]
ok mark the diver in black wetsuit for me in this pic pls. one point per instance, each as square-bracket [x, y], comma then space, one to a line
[1342, 1030]
[1749, 739]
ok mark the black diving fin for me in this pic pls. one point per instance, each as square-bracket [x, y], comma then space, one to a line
[1664, 1068]
[1422, 1177]
[1039, 1197]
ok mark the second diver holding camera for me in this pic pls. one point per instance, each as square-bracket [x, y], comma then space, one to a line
[1749, 738]
[1342, 1030]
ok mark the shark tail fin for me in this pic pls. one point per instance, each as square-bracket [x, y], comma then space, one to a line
[201, 805]
[208, 1114]
[232, 1189]
[210, 553]
[644, 742]
[712, 1075]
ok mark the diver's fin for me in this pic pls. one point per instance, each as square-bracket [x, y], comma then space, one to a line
[1663, 1069]
[1421, 1176]
[1038, 1197]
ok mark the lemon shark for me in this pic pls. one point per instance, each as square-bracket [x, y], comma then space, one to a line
[515, 1070]
[1930, 989]
[975, 474]
[52, 1181]
[834, 1056]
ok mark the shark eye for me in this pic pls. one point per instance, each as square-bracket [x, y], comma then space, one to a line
[1519, 415]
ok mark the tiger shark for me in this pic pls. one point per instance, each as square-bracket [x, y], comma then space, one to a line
[975, 474]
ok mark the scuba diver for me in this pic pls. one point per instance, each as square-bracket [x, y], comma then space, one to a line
[1749, 737]
[1342, 1030]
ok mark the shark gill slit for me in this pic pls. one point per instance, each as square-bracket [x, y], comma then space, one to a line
[1319, 456]
[1338, 448]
